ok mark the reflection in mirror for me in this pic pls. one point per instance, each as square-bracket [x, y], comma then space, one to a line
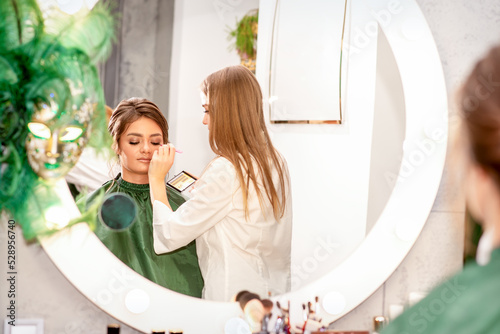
[307, 51]
[334, 227]
[388, 131]
[138, 129]
[329, 164]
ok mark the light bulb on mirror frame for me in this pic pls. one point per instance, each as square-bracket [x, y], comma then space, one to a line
[56, 217]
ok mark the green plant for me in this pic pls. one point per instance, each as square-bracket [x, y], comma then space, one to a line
[245, 35]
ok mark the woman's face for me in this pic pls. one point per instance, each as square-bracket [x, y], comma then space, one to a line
[206, 117]
[204, 104]
[136, 147]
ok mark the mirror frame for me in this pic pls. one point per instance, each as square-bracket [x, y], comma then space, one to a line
[110, 284]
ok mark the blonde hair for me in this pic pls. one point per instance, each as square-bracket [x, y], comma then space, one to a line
[238, 132]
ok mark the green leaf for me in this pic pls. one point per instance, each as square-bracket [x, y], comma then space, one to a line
[244, 35]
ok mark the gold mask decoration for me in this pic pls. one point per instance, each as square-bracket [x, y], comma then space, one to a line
[57, 135]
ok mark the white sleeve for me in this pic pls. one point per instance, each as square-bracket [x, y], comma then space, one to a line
[91, 171]
[210, 202]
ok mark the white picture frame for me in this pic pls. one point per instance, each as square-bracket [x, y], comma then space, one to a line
[23, 326]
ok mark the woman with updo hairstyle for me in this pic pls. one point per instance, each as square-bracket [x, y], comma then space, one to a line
[469, 302]
[138, 129]
[240, 211]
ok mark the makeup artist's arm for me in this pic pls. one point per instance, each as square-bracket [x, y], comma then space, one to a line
[211, 201]
[160, 164]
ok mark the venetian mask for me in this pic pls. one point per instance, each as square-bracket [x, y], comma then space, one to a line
[58, 132]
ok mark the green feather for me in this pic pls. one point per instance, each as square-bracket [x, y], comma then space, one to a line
[21, 22]
[90, 32]
[7, 71]
[37, 58]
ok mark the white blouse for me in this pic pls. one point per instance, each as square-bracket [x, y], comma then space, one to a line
[234, 254]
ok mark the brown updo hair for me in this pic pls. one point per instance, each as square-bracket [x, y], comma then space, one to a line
[129, 111]
[480, 105]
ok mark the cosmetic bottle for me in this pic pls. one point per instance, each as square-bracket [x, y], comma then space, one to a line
[378, 324]
[113, 329]
[175, 331]
[158, 331]
[265, 323]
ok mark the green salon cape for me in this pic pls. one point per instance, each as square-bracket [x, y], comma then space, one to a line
[178, 270]
[467, 303]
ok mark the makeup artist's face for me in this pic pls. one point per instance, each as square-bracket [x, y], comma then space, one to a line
[204, 104]
[136, 147]
[206, 117]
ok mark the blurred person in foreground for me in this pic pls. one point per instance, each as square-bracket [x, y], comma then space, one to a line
[469, 302]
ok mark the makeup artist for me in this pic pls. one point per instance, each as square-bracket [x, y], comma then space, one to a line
[240, 211]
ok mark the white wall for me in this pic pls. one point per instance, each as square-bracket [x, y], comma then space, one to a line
[329, 164]
[388, 131]
[200, 47]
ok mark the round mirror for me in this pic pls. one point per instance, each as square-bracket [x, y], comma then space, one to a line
[77, 251]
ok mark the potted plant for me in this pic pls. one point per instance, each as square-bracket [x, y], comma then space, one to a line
[245, 39]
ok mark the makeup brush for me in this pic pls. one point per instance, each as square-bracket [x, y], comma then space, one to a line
[176, 150]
